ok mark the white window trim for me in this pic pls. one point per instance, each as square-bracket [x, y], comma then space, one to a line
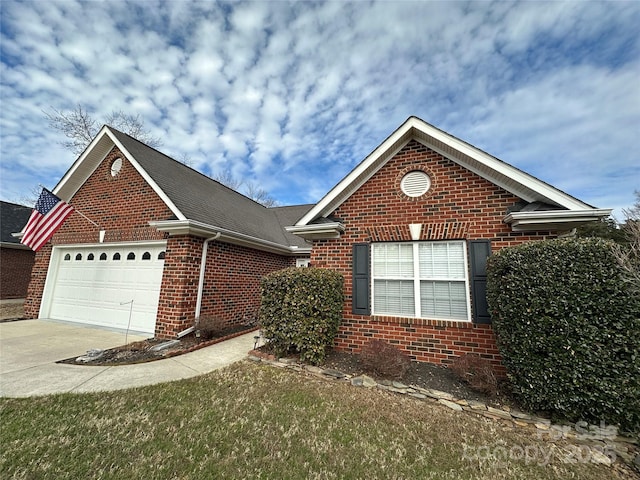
[303, 262]
[416, 281]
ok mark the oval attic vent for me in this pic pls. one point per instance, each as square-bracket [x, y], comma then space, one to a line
[415, 184]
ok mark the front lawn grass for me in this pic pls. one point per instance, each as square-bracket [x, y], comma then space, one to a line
[255, 421]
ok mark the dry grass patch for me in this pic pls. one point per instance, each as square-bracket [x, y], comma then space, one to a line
[254, 421]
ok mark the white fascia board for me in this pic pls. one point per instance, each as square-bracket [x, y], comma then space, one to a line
[199, 229]
[360, 174]
[66, 191]
[518, 176]
[520, 221]
[147, 178]
[350, 182]
[184, 227]
[316, 232]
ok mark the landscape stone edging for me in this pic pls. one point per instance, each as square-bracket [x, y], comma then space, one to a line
[581, 432]
[208, 343]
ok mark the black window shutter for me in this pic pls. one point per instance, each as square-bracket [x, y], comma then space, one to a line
[360, 279]
[479, 251]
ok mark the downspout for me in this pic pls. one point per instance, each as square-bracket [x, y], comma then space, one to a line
[203, 263]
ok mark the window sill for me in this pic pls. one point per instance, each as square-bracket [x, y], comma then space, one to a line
[424, 322]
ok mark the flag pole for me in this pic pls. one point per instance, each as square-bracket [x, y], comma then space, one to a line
[87, 218]
[75, 209]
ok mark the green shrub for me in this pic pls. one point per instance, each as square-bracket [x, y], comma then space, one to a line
[568, 329]
[301, 311]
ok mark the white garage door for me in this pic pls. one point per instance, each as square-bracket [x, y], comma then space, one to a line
[105, 285]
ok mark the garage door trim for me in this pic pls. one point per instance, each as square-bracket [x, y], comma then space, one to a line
[58, 253]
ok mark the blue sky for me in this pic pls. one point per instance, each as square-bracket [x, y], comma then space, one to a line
[293, 95]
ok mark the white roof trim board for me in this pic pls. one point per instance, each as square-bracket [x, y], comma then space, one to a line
[558, 219]
[321, 230]
[105, 141]
[199, 229]
[510, 178]
[91, 158]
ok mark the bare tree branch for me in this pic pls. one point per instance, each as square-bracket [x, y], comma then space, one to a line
[134, 126]
[250, 189]
[259, 194]
[80, 128]
[225, 177]
[185, 159]
[77, 125]
[29, 198]
[628, 256]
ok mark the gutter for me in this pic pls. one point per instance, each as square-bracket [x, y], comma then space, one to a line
[191, 227]
[317, 231]
[553, 219]
[16, 246]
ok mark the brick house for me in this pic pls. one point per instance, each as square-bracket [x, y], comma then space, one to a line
[410, 228]
[16, 260]
[131, 255]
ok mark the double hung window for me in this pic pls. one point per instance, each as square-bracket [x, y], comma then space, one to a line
[421, 279]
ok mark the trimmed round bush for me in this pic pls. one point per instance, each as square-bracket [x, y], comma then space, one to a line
[301, 310]
[568, 330]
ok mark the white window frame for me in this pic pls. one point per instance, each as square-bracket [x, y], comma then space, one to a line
[303, 262]
[417, 280]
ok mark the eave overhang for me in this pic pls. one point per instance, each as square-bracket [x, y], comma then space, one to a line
[16, 246]
[553, 220]
[199, 229]
[317, 231]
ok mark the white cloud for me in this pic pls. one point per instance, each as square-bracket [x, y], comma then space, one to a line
[293, 95]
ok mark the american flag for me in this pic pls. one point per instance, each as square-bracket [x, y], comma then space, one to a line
[47, 217]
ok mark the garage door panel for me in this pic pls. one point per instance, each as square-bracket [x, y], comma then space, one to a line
[98, 292]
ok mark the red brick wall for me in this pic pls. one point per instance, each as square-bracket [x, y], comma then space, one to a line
[459, 205]
[179, 285]
[232, 280]
[122, 205]
[231, 286]
[36, 285]
[15, 266]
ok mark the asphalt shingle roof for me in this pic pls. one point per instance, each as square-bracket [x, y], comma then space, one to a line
[13, 218]
[205, 200]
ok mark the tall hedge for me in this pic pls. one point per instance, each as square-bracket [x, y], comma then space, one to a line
[301, 311]
[568, 329]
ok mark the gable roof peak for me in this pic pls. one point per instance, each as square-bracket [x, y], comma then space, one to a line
[193, 197]
[500, 173]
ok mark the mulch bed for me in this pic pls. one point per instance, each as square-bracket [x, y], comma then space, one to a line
[420, 374]
[142, 351]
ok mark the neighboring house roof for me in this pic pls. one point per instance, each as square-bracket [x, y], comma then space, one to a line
[553, 209]
[201, 205]
[13, 218]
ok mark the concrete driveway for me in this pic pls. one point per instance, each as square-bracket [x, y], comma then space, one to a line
[30, 348]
